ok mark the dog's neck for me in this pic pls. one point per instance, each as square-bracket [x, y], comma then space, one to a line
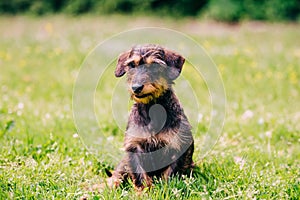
[168, 101]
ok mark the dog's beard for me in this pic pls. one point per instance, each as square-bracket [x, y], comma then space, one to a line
[151, 92]
[144, 99]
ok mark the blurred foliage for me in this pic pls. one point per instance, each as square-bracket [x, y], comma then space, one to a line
[235, 10]
[223, 10]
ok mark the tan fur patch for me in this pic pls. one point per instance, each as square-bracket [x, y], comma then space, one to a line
[172, 138]
[135, 59]
[152, 90]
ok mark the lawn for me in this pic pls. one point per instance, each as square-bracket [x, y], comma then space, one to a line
[43, 155]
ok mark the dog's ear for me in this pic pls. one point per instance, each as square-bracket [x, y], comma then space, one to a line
[175, 62]
[120, 69]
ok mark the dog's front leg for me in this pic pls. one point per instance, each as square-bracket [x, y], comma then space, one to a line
[139, 176]
[169, 171]
[119, 174]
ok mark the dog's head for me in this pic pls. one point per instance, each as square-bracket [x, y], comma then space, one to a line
[150, 70]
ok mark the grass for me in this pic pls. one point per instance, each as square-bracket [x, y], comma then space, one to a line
[41, 157]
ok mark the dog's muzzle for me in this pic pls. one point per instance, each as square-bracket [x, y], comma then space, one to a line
[137, 88]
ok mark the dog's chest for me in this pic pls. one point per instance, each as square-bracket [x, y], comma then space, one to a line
[147, 141]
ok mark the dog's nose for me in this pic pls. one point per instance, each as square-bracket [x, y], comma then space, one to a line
[137, 88]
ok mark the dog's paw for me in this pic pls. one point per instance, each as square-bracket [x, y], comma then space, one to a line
[109, 183]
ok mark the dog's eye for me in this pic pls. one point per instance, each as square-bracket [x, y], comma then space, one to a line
[131, 65]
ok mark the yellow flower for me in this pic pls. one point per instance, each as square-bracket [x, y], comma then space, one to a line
[269, 74]
[258, 76]
[236, 52]
[206, 45]
[278, 75]
[241, 61]
[293, 77]
[297, 52]
[22, 63]
[253, 64]
[221, 67]
[57, 51]
[248, 51]
[49, 28]
[7, 57]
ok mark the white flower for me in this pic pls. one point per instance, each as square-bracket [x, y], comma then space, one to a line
[261, 121]
[20, 105]
[214, 112]
[110, 138]
[248, 114]
[124, 193]
[176, 192]
[200, 117]
[47, 116]
[19, 112]
[239, 161]
[269, 134]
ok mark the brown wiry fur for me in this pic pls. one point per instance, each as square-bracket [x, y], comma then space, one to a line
[155, 68]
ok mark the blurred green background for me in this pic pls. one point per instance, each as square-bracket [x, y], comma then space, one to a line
[223, 10]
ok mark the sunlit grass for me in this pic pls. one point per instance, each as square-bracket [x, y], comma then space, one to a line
[42, 157]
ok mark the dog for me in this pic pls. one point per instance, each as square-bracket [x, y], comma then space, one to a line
[158, 138]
